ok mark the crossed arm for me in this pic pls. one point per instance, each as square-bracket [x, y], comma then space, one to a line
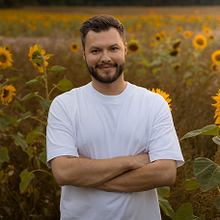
[120, 174]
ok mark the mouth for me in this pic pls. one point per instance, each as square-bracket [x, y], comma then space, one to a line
[106, 67]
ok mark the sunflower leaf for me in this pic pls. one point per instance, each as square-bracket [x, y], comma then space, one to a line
[217, 203]
[43, 156]
[20, 141]
[166, 207]
[64, 85]
[1, 77]
[4, 122]
[45, 103]
[26, 178]
[15, 78]
[32, 136]
[163, 191]
[207, 130]
[216, 140]
[4, 155]
[24, 117]
[191, 184]
[207, 173]
[49, 55]
[29, 96]
[12, 68]
[57, 69]
[35, 81]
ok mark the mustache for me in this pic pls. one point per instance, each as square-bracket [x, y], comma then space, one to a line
[106, 64]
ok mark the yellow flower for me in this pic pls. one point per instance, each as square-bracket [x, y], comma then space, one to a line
[179, 29]
[7, 93]
[188, 34]
[200, 42]
[152, 44]
[164, 94]
[133, 46]
[158, 37]
[138, 26]
[211, 38]
[130, 30]
[157, 25]
[5, 58]
[214, 68]
[8, 48]
[35, 54]
[132, 36]
[206, 31]
[163, 33]
[216, 57]
[74, 47]
[217, 105]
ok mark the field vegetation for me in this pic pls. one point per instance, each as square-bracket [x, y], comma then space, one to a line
[177, 56]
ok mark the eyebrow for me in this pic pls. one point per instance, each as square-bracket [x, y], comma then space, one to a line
[95, 48]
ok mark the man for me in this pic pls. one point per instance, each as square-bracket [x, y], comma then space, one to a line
[110, 144]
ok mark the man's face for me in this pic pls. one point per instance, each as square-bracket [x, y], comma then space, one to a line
[105, 55]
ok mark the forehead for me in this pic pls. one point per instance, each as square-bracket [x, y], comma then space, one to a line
[103, 38]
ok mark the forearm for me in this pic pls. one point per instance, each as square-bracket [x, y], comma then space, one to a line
[153, 175]
[90, 172]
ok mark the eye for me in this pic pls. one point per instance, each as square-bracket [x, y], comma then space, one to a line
[114, 48]
[95, 51]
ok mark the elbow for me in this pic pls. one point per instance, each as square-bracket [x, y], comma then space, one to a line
[170, 178]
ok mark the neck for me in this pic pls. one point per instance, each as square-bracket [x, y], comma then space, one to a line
[114, 88]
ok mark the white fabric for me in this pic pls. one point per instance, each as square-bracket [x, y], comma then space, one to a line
[87, 122]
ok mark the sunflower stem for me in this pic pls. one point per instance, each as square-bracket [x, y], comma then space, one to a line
[46, 82]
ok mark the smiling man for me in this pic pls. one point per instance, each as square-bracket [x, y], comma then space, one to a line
[110, 144]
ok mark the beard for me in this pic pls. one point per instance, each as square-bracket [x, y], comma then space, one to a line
[107, 78]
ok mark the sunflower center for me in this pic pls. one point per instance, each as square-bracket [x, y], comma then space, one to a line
[217, 57]
[5, 93]
[74, 47]
[3, 58]
[133, 47]
[200, 41]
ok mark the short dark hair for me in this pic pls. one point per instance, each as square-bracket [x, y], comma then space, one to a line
[100, 23]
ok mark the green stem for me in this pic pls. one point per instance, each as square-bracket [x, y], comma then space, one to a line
[46, 82]
[44, 123]
[52, 90]
[218, 189]
[33, 171]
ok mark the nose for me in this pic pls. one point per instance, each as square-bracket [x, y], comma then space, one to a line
[105, 58]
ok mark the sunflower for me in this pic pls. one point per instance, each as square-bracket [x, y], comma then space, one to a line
[176, 44]
[217, 105]
[211, 38]
[132, 36]
[214, 68]
[164, 94]
[138, 26]
[152, 44]
[206, 31]
[179, 29]
[174, 52]
[130, 30]
[133, 46]
[216, 57]
[163, 33]
[5, 58]
[7, 93]
[200, 42]
[158, 37]
[157, 25]
[188, 34]
[74, 47]
[8, 48]
[36, 53]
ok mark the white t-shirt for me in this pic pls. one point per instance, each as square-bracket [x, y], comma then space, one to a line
[84, 121]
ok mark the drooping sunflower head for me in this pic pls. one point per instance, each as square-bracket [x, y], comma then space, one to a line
[74, 47]
[5, 58]
[176, 44]
[164, 94]
[7, 94]
[158, 37]
[35, 56]
[174, 52]
[217, 105]
[200, 42]
[216, 57]
[133, 46]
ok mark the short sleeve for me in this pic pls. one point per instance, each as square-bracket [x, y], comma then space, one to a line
[60, 131]
[164, 143]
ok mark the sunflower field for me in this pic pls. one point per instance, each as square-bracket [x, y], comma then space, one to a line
[177, 56]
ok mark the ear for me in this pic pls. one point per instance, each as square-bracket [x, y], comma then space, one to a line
[83, 53]
[126, 48]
